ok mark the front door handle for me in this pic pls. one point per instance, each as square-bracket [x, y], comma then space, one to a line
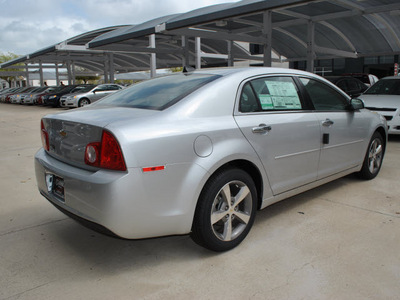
[262, 128]
[327, 123]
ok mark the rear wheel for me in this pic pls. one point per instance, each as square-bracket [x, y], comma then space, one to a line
[83, 102]
[374, 157]
[225, 211]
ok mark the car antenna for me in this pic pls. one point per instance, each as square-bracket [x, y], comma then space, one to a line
[188, 69]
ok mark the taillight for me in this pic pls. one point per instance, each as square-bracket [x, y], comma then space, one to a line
[107, 154]
[45, 136]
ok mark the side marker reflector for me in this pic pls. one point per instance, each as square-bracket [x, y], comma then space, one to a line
[151, 169]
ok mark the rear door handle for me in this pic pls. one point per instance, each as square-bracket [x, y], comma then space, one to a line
[327, 123]
[262, 128]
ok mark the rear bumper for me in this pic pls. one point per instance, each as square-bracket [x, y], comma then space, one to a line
[131, 204]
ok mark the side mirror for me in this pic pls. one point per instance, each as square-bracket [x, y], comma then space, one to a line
[356, 104]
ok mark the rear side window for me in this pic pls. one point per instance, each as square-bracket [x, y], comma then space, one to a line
[270, 94]
[159, 93]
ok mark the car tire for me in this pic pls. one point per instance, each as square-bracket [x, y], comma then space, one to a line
[225, 211]
[373, 158]
[84, 101]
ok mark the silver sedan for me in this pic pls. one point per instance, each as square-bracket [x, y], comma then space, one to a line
[199, 153]
[86, 95]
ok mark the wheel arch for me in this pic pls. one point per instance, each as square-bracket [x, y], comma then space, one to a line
[249, 168]
[83, 98]
[382, 132]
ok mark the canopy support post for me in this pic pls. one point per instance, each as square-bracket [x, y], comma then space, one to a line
[310, 46]
[153, 57]
[267, 33]
[198, 52]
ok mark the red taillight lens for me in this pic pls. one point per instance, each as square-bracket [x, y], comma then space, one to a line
[45, 137]
[106, 154]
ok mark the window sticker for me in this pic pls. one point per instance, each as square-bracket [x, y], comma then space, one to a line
[266, 101]
[283, 95]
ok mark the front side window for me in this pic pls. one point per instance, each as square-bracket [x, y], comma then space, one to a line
[270, 94]
[323, 97]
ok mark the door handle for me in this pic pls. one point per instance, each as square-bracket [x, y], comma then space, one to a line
[262, 128]
[327, 123]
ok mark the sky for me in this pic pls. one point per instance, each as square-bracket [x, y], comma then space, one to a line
[30, 25]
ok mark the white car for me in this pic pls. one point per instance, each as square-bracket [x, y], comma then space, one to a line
[384, 98]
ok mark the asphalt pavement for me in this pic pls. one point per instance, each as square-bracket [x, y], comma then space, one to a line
[338, 241]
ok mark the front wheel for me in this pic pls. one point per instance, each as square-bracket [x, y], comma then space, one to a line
[374, 157]
[83, 102]
[225, 211]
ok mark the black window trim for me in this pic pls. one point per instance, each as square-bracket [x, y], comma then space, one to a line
[305, 103]
[307, 96]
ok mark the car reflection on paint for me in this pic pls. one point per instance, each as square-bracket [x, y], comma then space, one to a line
[199, 152]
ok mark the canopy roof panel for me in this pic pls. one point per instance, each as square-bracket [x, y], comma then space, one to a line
[342, 28]
[293, 28]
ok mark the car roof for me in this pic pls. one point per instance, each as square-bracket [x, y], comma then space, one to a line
[252, 71]
[391, 77]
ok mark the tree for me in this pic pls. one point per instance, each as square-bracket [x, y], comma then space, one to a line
[5, 58]
[84, 76]
[176, 69]
[87, 79]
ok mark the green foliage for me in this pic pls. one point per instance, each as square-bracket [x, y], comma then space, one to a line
[175, 70]
[87, 79]
[125, 82]
[4, 57]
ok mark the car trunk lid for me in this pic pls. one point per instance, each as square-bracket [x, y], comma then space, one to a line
[69, 133]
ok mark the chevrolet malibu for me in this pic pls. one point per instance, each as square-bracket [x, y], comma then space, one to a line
[200, 152]
[88, 95]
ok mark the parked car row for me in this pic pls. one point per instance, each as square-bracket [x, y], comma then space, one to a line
[64, 96]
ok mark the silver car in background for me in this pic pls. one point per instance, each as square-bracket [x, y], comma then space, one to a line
[384, 98]
[31, 98]
[88, 95]
[198, 153]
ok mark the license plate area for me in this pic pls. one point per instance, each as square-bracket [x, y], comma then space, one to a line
[55, 186]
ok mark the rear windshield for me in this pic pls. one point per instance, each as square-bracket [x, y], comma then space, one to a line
[385, 87]
[159, 93]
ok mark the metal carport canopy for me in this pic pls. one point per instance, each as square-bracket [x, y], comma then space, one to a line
[301, 30]
[164, 48]
[294, 29]
[72, 52]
